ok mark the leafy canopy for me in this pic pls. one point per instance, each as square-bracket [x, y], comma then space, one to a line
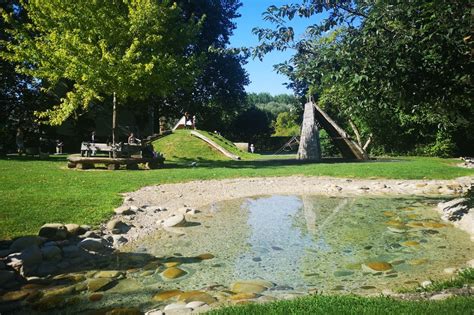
[401, 70]
[135, 48]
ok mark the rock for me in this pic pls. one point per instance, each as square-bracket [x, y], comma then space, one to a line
[124, 210]
[154, 312]
[119, 240]
[449, 271]
[46, 268]
[6, 276]
[124, 311]
[51, 253]
[126, 285]
[192, 296]
[14, 296]
[59, 291]
[426, 283]
[175, 221]
[73, 229]
[92, 244]
[28, 258]
[108, 274]
[343, 273]
[174, 306]
[2, 265]
[376, 266]
[205, 256]
[94, 297]
[22, 243]
[242, 296]
[410, 243]
[5, 252]
[94, 285]
[91, 234]
[433, 225]
[470, 263]
[166, 295]
[250, 286]
[118, 227]
[170, 264]
[53, 231]
[441, 296]
[71, 251]
[173, 273]
[195, 304]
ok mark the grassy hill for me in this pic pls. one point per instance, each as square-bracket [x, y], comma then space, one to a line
[181, 146]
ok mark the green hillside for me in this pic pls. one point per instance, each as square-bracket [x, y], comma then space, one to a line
[181, 146]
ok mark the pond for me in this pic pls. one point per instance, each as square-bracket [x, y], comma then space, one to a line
[272, 247]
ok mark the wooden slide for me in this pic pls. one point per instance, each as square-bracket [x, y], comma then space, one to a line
[215, 145]
[348, 147]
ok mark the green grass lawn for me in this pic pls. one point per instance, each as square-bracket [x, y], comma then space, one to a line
[353, 305]
[34, 192]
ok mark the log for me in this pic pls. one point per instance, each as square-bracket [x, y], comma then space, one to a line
[310, 146]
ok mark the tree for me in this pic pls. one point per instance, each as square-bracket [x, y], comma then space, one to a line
[218, 93]
[400, 70]
[134, 48]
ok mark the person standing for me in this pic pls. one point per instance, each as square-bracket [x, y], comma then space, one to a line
[20, 142]
[252, 148]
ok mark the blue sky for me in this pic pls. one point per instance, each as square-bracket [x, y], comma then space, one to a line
[262, 76]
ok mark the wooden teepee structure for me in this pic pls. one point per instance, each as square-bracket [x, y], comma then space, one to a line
[349, 148]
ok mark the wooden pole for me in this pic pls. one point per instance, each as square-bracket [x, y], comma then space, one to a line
[114, 119]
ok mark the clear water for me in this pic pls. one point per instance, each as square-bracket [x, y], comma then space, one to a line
[300, 243]
[317, 242]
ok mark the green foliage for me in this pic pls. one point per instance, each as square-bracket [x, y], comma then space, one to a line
[351, 304]
[400, 70]
[443, 147]
[36, 192]
[134, 48]
[287, 124]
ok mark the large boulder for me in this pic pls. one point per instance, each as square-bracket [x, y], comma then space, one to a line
[54, 231]
[51, 253]
[310, 147]
[27, 260]
[5, 277]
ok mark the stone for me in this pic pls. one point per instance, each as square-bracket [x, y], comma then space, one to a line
[171, 264]
[449, 271]
[117, 226]
[426, 284]
[192, 296]
[14, 296]
[250, 286]
[174, 306]
[22, 243]
[126, 285]
[73, 229]
[195, 304]
[310, 146]
[154, 312]
[94, 285]
[94, 297]
[441, 296]
[173, 273]
[417, 262]
[6, 276]
[51, 253]
[205, 256]
[91, 234]
[376, 266]
[53, 231]
[343, 273]
[59, 291]
[433, 225]
[124, 210]
[108, 274]
[124, 311]
[166, 295]
[119, 240]
[92, 244]
[242, 296]
[29, 257]
[71, 251]
[175, 221]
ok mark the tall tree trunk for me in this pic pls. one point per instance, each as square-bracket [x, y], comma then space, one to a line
[310, 146]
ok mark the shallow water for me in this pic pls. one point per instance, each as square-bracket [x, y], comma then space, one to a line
[318, 242]
[299, 243]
